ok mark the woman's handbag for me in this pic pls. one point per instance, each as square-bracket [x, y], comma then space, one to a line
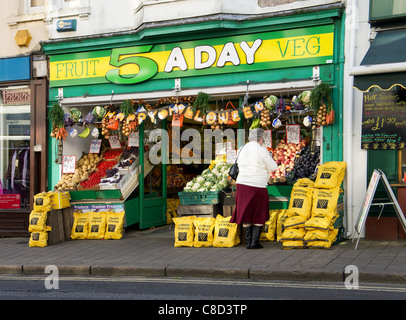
[233, 172]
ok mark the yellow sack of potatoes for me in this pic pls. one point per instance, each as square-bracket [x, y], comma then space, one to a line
[97, 225]
[304, 182]
[80, 226]
[293, 244]
[269, 230]
[43, 201]
[225, 233]
[301, 201]
[184, 231]
[293, 234]
[38, 239]
[282, 216]
[330, 174]
[38, 220]
[317, 235]
[294, 221]
[204, 232]
[325, 202]
[316, 222]
[114, 225]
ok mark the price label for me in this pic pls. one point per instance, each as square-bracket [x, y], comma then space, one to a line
[231, 156]
[95, 146]
[292, 133]
[68, 164]
[114, 142]
[134, 139]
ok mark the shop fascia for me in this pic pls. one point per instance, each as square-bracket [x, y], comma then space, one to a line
[241, 53]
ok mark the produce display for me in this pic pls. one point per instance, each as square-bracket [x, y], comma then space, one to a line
[214, 179]
[306, 163]
[86, 164]
[285, 155]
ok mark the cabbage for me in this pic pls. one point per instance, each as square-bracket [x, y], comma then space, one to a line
[270, 102]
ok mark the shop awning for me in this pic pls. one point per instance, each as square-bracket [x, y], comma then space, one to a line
[384, 65]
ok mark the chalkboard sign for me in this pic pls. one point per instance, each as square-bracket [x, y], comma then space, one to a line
[383, 121]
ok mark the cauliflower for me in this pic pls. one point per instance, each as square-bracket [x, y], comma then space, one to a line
[304, 97]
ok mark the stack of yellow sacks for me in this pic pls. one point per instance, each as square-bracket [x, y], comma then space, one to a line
[98, 225]
[313, 209]
[192, 231]
[38, 220]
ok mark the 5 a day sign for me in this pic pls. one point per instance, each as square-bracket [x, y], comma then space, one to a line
[242, 53]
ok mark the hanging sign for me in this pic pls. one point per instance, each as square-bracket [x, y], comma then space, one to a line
[68, 164]
[224, 55]
[177, 120]
[383, 121]
[114, 142]
[133, 139]
[231, 156]
[377, 175]
[95, 146]
[293, 133]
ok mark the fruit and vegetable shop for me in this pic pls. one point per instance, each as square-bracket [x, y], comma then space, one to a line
[150, 127]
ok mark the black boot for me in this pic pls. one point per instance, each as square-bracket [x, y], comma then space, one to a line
[256, 233]
[248, 236]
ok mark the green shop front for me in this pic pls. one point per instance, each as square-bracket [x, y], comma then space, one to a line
[163, 75]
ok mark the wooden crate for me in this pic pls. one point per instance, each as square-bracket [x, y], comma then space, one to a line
[61, 222]
[228, 210]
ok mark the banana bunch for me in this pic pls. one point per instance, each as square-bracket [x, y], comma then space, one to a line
[85, 133]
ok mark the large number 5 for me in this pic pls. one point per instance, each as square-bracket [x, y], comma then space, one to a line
[148, 67]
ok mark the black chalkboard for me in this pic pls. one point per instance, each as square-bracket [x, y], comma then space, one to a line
[383, 121]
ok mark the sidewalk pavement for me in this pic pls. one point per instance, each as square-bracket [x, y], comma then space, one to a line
[151, 253]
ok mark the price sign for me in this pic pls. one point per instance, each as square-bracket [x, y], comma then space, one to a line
[68, 164]
[292, 133]
[134, 139]
[114, 142]
[231, 156]
[95, 146]
[383, 121]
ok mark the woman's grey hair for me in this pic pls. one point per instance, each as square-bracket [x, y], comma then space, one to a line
[256, 134]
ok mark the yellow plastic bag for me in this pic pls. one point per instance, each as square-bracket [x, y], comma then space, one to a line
[97, 225]
[269, 230]
[316, 222]
[293, 234]
[114, 225]
[294, 221]
[43, 201]
[38, 239]
[80, 226]
[325, 202]
[282, 216]
[38, 220]
[203, 232]
[184, 231]
[301, 201]
[304, 183]
[317, 235]
[330, 174]
[225, 233]
[293, 244]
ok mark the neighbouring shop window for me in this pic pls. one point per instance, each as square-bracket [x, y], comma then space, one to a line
[14, 147]
[389, 9]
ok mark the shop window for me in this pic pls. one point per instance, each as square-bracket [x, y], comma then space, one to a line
[14, 147]
[387, 10]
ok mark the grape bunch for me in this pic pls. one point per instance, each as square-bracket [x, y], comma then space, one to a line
[306, 163]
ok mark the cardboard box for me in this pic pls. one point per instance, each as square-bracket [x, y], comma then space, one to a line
[60, 200]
